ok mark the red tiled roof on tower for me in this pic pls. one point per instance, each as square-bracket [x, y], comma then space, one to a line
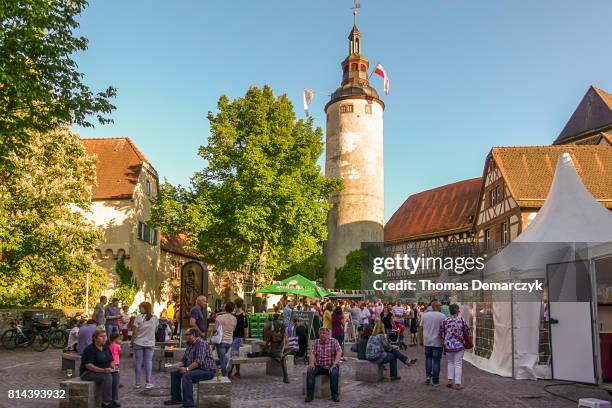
[440, 211]
[117, 168]
[594, 113]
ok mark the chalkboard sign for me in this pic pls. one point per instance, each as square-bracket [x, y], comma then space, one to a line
[305, 319]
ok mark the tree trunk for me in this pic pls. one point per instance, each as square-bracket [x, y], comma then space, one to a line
[261, 260]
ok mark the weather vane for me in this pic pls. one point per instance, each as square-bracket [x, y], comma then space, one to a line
[356, 6]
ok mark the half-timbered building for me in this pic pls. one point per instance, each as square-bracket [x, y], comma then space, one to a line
[434, 222]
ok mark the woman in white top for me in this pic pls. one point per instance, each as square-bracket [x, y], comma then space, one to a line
[143, 343]
[227, 322]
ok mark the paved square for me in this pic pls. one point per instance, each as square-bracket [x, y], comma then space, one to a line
[26, 369]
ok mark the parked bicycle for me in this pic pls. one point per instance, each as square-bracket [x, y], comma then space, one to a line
[36, 336]
[58, 337]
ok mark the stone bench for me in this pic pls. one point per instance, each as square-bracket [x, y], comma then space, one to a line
[367, 371]
[71, 361]
[322, 389]
[214, 393]
[273, 367]
[162, 356]
[80, 394]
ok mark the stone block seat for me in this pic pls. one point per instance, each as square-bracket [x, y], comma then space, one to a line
[321, 386]
[215, 393]
[273, 367]
[71, 361]
[80, 394]
[367, 371]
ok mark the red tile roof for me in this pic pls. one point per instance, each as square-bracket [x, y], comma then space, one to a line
[593, 112]
[177, 245]
[118, 167]
[440, 211]
[528, 170]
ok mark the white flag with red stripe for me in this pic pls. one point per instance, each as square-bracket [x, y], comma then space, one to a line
[381, 71]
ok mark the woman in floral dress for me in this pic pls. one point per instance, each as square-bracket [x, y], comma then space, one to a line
[453, 330]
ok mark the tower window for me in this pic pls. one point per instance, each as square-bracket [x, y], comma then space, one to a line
[363, 67]
[368, 108]
[346, 108]
[353, 67]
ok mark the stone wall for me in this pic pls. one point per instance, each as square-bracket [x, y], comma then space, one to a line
[6, 315]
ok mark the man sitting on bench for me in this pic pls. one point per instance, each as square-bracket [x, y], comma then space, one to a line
[197, 365]
[325, 356]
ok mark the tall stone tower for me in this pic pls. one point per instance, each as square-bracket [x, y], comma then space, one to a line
[354, 153]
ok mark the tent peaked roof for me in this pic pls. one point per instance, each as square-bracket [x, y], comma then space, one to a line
[570, 213]
[594, 112]
[297, 285]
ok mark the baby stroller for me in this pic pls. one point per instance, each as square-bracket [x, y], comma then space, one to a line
[396, 336]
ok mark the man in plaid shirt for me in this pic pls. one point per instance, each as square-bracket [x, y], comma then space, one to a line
[325, 356]
[197, 365]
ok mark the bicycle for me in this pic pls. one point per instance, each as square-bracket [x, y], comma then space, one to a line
[58, 337]
[17, 336]
[58, 334]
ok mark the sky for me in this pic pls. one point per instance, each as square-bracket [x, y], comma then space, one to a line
[464, 75]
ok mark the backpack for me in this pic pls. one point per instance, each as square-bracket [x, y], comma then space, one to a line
[160, 333]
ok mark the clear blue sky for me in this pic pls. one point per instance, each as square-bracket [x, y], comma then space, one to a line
[465, 75]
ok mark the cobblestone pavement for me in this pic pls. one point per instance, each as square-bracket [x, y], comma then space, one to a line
[25, 369]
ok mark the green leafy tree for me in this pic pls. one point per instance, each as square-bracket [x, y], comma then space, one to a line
[127, 289]
[262, 199]
[349, 276]
[40, 86]
[50, 245]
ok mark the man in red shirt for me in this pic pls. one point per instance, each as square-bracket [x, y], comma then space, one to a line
[325, 356]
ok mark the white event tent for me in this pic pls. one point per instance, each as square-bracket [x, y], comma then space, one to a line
[555, 248]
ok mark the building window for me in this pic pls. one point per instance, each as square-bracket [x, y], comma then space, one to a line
[148, 187]
[353, 67]
[485, 330]
[346, 108]
[363, 68]
[500, 193]
[487, 240]
[492, 198]
[147, 234]
[504, 233]
[368, 109]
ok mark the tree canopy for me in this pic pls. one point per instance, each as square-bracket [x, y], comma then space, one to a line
[261, 200]
[49, 245]
[46, 246]
[40, 86]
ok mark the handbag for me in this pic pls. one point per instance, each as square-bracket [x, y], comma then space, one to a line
[293, 342]
[217, 335]
[468, 343]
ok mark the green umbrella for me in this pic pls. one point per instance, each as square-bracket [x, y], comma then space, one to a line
[297, 285]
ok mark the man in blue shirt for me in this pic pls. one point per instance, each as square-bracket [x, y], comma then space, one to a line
[112, 315]
[85, 335]
[198, 316]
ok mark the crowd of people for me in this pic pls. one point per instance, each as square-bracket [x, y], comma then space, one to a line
[380, 332]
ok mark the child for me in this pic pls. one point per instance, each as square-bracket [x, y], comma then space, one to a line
[125, 320]
[115, 347]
